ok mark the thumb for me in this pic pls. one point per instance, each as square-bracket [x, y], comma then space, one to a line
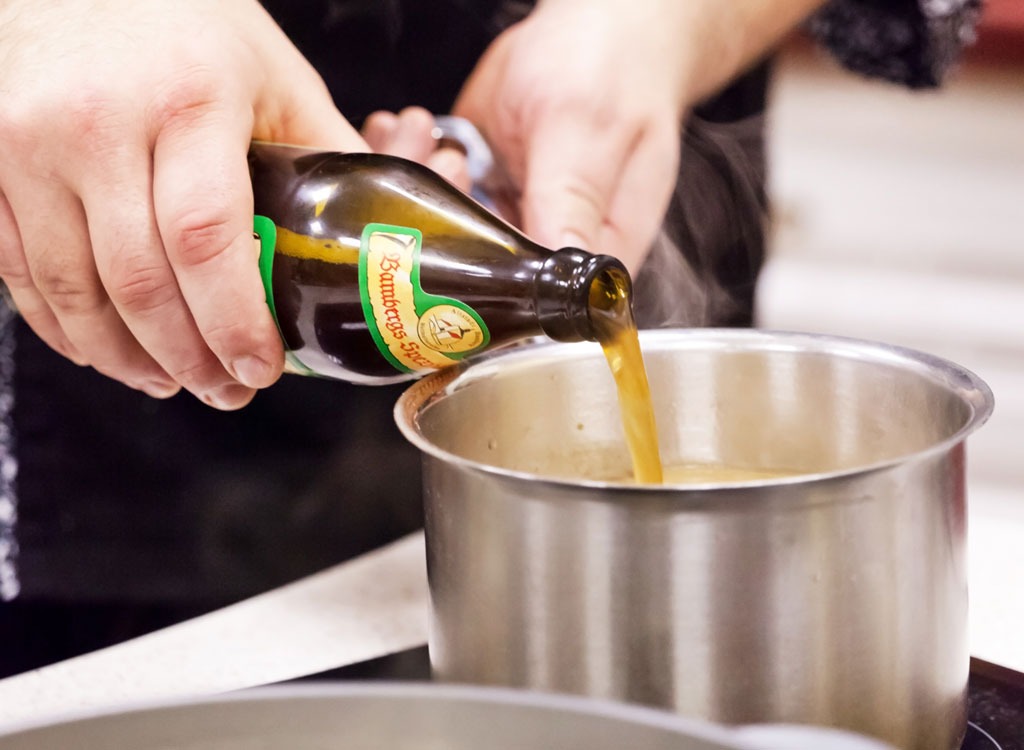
[571, 173]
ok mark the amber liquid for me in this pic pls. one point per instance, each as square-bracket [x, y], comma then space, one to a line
[719, 474]
[704, 474]
[612, 317]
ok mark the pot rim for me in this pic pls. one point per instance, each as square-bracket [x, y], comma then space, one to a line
[572, 706]
[964, 383]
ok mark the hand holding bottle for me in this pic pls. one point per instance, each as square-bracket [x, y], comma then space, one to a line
[125, 201]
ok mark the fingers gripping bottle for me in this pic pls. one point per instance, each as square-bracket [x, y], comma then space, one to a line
[379, 270]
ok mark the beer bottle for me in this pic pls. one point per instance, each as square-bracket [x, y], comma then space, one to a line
[379, 270]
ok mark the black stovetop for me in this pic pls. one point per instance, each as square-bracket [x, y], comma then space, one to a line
[996, 708]
[996, 694]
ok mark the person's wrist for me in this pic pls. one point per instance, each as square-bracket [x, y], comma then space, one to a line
[661, 30]
[729, 37]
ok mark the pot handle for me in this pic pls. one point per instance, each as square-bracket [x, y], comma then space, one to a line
[460, 133]
[492, 186]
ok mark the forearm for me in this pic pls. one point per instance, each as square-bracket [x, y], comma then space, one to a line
[733, 35]
[711, 41]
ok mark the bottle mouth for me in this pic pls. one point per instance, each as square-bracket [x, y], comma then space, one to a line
[578, 291]
[610, 302]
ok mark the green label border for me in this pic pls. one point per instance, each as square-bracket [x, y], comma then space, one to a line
[266, 231]
[364, 285]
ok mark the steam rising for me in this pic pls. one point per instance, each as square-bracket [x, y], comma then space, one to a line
[702, 268]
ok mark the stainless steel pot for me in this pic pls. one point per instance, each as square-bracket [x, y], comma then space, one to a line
[836, 597]
[395, 716]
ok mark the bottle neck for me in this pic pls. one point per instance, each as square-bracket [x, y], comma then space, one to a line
[562, 292]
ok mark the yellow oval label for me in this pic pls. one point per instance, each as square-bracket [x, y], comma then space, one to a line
[450, 330]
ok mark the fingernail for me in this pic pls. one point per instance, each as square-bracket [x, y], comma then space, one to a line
[160, 388]
[70, 352]
[228, 397]
[252, 371]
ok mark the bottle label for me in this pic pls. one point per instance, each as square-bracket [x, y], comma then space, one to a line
[414, 330]
[265, 236]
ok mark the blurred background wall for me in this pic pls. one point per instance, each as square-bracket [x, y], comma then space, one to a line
[899, 217]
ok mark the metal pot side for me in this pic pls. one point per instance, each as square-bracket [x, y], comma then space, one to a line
[836, 597]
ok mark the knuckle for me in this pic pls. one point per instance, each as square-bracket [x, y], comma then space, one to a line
[22, 128]
[199, 236]
[230, 336]
[67, 294]
[141, 288]
[13, 269]
[43, 130]
[94, 118]
[22, 112]
[184, 97]
[198, 373]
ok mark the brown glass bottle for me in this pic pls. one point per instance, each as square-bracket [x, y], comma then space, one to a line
[378, 270]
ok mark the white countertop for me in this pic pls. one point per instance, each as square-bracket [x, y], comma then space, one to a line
[358, 610]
